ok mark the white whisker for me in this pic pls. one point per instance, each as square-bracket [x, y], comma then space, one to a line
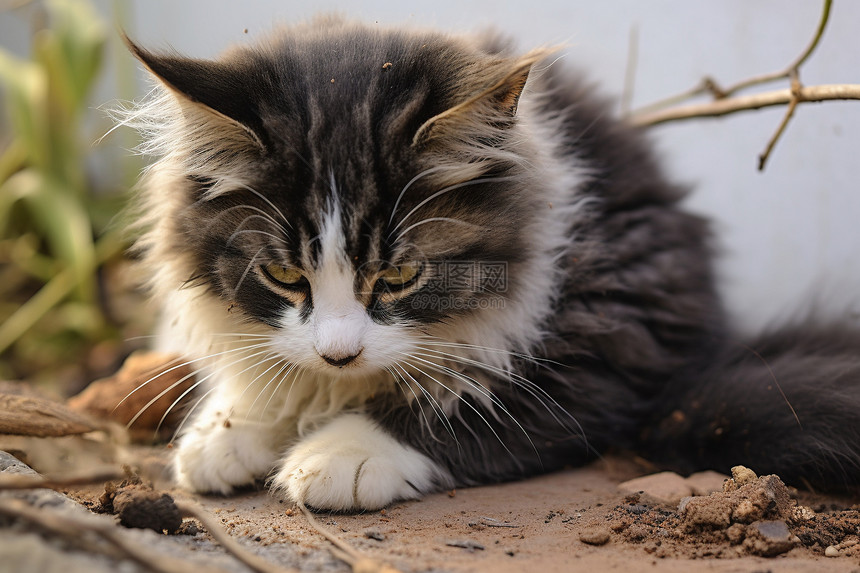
[169, 388]
[284, 364]
[408, 185]
[247, 269]
[250, 231]
[533, 389]
[448, 190]
[264, 198]
[434, 404]
[462, 401]
[183, 364]
[191, 411]
[527, 357]
[175, 403]
[477, 386]
[286, 369]
[260, 214]
[441, 219]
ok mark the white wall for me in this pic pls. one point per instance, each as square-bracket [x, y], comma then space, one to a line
[787, 234]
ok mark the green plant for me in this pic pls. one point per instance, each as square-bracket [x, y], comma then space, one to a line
[54, 226]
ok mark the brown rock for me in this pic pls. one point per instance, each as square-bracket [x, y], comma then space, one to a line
[133, 392]
[707, 482]
[665, 487]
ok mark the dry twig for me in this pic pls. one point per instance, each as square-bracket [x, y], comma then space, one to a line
[748, 103]
[24, 481]
[346, 553]
[220, 535]
[724, 103]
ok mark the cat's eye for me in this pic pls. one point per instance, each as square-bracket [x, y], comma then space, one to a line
[398, 278]
[289, 277]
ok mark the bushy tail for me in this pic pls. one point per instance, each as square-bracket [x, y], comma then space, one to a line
[787, 403]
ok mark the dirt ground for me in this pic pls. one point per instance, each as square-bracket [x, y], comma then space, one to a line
[575, 520]
[617, 514]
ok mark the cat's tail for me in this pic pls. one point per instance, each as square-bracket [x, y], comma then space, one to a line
[787, 403]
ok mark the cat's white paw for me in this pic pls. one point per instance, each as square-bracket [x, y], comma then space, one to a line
[218, 457]
[351, 464]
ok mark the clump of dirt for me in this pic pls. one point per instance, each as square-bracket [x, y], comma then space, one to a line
[751, 516]
[140, 506]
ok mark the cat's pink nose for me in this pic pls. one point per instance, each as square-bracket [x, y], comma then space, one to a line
[340, 362]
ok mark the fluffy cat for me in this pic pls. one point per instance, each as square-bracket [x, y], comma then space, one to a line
[406, 261]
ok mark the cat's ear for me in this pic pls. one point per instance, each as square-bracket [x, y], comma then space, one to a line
[494, 107]
[213, 87]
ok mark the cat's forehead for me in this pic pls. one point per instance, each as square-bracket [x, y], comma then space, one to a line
[355, 117]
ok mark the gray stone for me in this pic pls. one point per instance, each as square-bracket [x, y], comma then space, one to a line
[9, 464]
[768, 538]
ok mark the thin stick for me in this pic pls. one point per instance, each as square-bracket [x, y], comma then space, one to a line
[630, 71]
[345, 552]
[217, 531]
[744, 103]
[709, 85]
[73, 527]
[22, 481]
[789, 113]
[794, 66]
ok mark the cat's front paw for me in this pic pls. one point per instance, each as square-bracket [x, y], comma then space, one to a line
[351, 464]
[220, 456]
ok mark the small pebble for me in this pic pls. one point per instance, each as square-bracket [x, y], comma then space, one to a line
[597, 536]
[831, 551]
[743, 475]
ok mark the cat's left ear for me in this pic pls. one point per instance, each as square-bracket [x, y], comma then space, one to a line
[216, 88]
[493, 107]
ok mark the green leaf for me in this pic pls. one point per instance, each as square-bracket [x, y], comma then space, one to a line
[61, 219]
[26, 93]
[72, 50]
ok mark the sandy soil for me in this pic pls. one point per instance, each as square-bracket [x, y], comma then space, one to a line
[590, 519]
[533, 525]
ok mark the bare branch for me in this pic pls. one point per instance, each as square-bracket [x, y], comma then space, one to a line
[789, 113]
[710, 85]
[630, 71]
[745, 103]
[23, 481]
[668, 109]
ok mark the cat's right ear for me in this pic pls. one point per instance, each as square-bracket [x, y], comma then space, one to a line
[216, 88]
[493, 107]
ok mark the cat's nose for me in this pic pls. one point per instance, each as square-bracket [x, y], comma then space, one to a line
[340, 362]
